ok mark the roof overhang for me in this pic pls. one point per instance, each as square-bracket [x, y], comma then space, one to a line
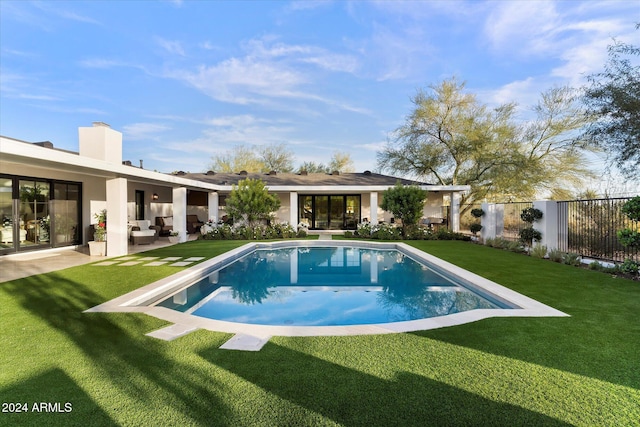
[18, 152]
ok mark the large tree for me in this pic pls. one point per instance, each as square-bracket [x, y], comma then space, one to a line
[240, 158]
[451, 138]
[614, 98]
[341, 161]
[276, 157]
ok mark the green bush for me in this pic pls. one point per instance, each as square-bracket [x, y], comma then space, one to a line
[475, 227]
[596, 266]
[571, 259]
[514, 246]
[348, 234]
[529, 235]
[477, 213]
[538, 251]
[629, 266]
[531, 215]
[556, 255]
[632, 209]
[629, 237]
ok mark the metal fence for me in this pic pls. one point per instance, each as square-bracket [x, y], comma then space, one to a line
[589, 228]
[513, 223]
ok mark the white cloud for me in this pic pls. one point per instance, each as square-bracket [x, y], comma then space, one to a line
[270, 74]
[144, 131]
[171, 46]
[522, 28]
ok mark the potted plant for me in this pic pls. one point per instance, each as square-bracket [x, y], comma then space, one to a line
[98, 247]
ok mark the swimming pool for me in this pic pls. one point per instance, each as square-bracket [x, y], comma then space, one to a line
[348, 265]
[328, 286]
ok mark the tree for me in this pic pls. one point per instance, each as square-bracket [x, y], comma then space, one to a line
[406, 202]
[551, 145]
[251, 201]
[453, 139]
[341, 162]
[613, 97]
[239, 158]
[313, 167]
[276, 157]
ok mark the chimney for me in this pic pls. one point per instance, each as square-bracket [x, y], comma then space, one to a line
[141, 164]
[101, 142]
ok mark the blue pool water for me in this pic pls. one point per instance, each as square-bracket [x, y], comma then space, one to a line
[325, 286]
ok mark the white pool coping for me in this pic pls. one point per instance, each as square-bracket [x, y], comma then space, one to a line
[253, 337]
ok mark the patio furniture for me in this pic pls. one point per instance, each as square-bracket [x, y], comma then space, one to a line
[141, 232]
[193, 224]
[166, 225]
[6, 235]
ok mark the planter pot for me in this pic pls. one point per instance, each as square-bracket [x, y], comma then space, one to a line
[97, 248]
[174, 239]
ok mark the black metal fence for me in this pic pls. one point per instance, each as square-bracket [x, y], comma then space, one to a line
[590, 227]
[513, 223]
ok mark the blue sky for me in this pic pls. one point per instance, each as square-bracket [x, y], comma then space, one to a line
[186, 80]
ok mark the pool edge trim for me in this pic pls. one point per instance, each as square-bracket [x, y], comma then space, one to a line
[137, 301]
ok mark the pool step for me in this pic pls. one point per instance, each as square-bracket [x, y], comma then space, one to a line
[172, 332]
[245, 342]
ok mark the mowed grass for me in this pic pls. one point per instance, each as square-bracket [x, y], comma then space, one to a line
[581, 370]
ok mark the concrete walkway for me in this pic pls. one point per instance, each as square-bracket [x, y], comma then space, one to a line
[17, 266]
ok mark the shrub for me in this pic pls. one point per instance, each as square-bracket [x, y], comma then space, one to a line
[538, 251]
[251, 201]
[406, 202]
[348, 234]
[632, 209]
[629, 237]
[530, 234]
[596, 266]
[571, 259]
[629, 266]
[363, 229]
[531, 215]
[385, 231]
[301, 233]
[515, 247]
[475, 227]
[556, 255]
[477, 213]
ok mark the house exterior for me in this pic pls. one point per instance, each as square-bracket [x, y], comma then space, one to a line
[49, 197]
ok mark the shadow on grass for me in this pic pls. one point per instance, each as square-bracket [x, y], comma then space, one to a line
[353, 398]
[132, 371]
[599, 340]
[71, 405]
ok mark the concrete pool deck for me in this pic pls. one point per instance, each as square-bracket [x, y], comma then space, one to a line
[253, 337]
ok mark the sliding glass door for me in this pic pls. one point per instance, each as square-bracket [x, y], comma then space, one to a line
[329, 212]
[34, 213]
[38, 214]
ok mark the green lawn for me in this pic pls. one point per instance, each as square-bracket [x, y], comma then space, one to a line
[581, 370]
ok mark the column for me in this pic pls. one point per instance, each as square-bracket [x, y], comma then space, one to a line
[180, 213]
[213, 202]
[455, 212]
[117, 232]
[488, 222]
[293, 209]
[548, 224]
[373, 203]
